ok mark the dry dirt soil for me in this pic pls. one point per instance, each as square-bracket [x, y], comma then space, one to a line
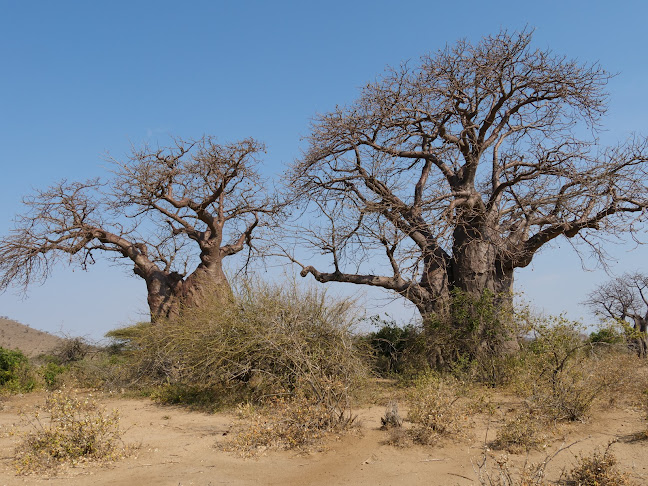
[178, 447]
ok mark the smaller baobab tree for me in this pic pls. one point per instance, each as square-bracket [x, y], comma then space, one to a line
[172, 213]
[625, 298]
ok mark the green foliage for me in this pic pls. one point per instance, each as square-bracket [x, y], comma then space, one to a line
[10, 363]
[609, 334]
[52, 374]
[553, 375]
[396, 350]
[72, 430]
[15, 373]
[476, 338]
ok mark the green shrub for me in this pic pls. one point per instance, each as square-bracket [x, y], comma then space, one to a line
[609, 334]
[397, 350]
[10, 363]
[553, 375]
[52, 374]
[476, 339]
[15, 373]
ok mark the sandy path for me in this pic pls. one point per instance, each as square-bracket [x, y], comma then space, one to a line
[177, 448]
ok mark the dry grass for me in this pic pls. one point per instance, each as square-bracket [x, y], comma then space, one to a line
[436, 411]
[521, 433]
[286, 424]
[68, 430]
[599, 469]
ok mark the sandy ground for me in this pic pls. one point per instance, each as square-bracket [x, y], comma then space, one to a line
[177, 447]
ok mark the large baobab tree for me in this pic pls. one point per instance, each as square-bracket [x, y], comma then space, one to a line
[625, 298]
[447, 175]
[173, 213]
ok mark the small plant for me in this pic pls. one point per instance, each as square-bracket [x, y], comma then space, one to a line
[599, 469]
[503, 474]
[554, 376]
[68, 430]
[398, 437]
[286, 423]
[523, 432]
[435, 411]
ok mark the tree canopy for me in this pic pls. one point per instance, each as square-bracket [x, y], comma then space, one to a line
[173, 213]
[625, 298]
[448, 174]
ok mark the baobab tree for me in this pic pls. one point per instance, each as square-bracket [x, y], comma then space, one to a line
[174, 214]
[445, 176]
[625, 298]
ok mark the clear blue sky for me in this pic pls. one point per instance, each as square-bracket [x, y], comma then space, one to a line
[79, 79]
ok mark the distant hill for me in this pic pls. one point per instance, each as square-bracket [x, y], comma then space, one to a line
[30, 341]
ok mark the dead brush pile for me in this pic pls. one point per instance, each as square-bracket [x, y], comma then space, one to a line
[286, 350]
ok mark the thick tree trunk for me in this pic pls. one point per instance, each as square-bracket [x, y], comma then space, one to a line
[469, 315]
[640, 342]
[168, 294]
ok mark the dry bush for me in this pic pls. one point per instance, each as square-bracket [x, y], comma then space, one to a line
[269, 340]
[523, 432]
[555, 372]
[286, 423]
[68, 430]
[398, 437]
[435, 410]
[599, 469]
[619, 375]
[503, 474]
[71, 349]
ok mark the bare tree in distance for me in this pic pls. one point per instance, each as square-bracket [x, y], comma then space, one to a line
[625, 298]
[447, 175]
[173, 213]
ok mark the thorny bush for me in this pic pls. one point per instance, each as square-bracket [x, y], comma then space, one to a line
[69, 430]
[269, 341]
